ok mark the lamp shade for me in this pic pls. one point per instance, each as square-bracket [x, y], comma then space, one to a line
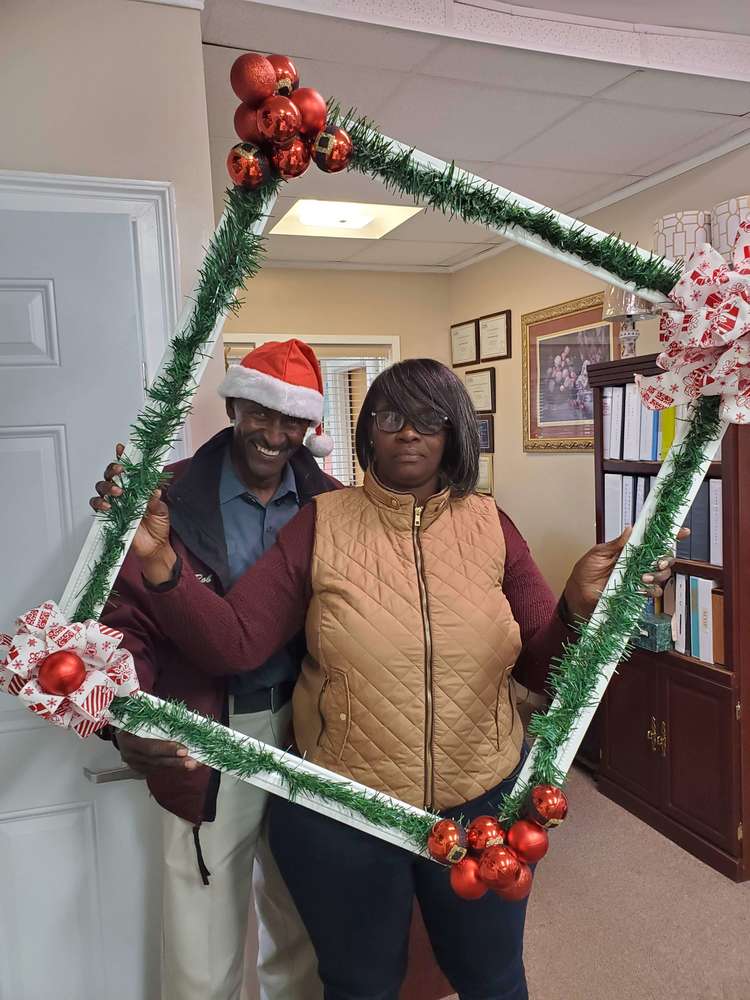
[677, 235]
[621, 304]
[725, 221]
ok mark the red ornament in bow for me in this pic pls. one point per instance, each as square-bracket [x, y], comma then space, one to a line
[31, 667]
[707, 334]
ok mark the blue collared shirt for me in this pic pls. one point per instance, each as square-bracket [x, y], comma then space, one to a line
[250, 529]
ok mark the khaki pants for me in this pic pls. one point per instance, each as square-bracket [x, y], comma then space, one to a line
[205, 927]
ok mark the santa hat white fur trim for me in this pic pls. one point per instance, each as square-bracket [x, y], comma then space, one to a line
[319, 444]
[292, 400]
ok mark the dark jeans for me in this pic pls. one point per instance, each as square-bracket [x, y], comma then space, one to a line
[354, 894]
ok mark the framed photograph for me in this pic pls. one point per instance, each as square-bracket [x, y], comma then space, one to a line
[486, 427]
[494, 336]
[559, 343]
[481, 386]
[464, 344]
[486, 481]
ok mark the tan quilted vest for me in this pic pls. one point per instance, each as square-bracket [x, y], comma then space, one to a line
[411, 642]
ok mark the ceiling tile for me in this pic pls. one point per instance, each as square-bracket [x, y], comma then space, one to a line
[609, 137]
[314, 36]
[681, 90]
[727, 15]
[450, 119]
[311, 249]
[498, 65]
[556, 188]
[679, 154]
[408, 253]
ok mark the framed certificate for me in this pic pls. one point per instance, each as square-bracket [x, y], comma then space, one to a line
[486, 481]
[464, 344]
[481, 386]
[486, 428]
[494, 336]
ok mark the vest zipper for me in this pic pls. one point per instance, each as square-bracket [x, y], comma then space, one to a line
[429, 721]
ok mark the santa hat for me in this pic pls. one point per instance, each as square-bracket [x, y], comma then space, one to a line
[284, 376]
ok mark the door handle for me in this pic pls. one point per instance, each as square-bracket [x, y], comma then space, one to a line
[661, 740]
[100, 776]
[652, 735]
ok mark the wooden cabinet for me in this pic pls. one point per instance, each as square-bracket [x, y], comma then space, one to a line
[673, 744]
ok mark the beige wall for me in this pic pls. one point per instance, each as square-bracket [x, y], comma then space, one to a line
[110, 88]
[550, 496]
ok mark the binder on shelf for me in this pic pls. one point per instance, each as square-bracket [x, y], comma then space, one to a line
[631, 440]
[646, 433]
[606, 420]
[612, 505]
[717, 615]
[699, 541]
[705, 648]
[628, 501]
[715, 522]
[655, 435]
[667, 432]
[680, 611]
[615, 424]
[694, 616]
[683, 549]
[641, 485]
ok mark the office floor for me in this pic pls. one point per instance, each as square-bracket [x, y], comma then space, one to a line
[620, 913]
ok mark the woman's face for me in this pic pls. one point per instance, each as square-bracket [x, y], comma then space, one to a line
[407, 459]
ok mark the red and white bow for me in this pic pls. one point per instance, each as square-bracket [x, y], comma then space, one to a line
[109, 671]
[707, 334]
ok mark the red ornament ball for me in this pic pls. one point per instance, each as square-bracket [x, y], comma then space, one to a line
[287, 77]
[484, 831]
[62, 672]
[246, 125]
[247, 166]
[253, 78]
[312, 108]
[278, 120]
[447, 841]
[548, 805]
[292, 160]
[465, 880]
[499, 866]
[528, 840]
[519, 888]
[332, 149]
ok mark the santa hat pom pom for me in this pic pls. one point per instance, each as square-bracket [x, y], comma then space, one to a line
[319, 444]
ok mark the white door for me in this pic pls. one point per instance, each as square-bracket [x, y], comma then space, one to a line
[79, 868]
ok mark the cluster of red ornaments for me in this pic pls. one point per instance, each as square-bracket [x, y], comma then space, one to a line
[486, 857]
[282, 125]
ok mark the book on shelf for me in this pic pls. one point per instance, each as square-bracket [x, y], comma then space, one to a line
[628, 502]
[606, 420]
[680, 607]
[697, 609]
[666, 432]
[631, 435]
[612, 506]
[615, 421]
[717, 611]
[641, 492]
[715, 521]
[699, 541]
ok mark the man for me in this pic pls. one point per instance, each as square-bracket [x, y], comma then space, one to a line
[227, 504]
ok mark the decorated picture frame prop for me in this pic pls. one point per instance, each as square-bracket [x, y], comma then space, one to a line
[70, 670]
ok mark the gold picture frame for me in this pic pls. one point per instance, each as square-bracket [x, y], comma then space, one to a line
[558, 344]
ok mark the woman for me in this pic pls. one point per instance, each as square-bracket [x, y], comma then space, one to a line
[418, 598]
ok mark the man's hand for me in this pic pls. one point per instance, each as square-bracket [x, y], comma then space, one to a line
[152, 537]
[147, 757]
[591, 572]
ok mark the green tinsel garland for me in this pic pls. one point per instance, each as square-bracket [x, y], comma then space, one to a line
[234, 254]
[575, 675]
[472, 201]
[219, 748]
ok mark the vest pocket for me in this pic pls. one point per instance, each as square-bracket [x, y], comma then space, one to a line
[505, 710]
[334, 705]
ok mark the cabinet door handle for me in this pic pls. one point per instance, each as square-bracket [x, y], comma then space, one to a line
[661, 740]
[652, 736]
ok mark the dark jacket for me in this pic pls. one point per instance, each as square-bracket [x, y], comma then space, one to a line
[198, 538]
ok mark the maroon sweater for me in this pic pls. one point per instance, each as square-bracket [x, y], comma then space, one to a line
[267, 606]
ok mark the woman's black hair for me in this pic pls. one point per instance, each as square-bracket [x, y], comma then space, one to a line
[413, 387]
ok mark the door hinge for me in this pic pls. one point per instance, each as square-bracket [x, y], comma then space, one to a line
[739, 832]
[738, 710]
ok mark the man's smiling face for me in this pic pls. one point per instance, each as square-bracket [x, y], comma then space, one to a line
[265, 438]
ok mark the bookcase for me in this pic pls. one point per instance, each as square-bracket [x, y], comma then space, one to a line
[671, 739]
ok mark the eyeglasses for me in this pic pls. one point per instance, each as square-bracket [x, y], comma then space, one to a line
[392, 421]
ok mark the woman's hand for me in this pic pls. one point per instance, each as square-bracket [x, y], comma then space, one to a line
[151, 541]
[591, 572]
